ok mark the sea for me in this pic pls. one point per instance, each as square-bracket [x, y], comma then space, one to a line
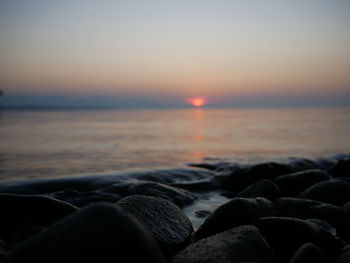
[55, 143]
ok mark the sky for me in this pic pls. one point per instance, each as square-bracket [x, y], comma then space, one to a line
[231, 53]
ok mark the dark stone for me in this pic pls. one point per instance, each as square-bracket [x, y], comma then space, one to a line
[240, 244]
[263, 188]
[295, 183]
[343, 227]
[202, 213]
[308, 253]
[2, 250]
[178, 196]
[25, 233]
[346, 207]
[305, 209]
[168, 224]
[81, 199]
[344, 257]
[96, 233]
[241, 177]
[324, 225]
[335, 192]
[22, 211]
[341, 168]
[286, 235]
[239, 211]
[344, 179]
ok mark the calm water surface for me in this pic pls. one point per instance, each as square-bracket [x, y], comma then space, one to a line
[60, 143]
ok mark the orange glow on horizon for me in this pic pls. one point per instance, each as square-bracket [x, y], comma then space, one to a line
[197, 102]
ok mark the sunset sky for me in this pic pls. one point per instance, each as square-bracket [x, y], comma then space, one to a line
[156, 50]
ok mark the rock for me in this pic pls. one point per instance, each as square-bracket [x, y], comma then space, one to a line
[346, 207]
[240, 244]
[344, 257]
[168, 224]
[208, 184]
[2, 250]
[285, 235]
[335, 192]
[81, 199]
[178, 196]
[295, 183]
[207, 166]
[305, 209]
[308, 253]
[341, 168]
[343, 227]
[263, 188]
[324, 225]
[96, 233]
[22, 211]
[25, 233]
[239, 177]
[239, 211]
[302, 164]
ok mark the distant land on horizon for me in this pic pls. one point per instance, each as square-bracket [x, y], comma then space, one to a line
[68, 102]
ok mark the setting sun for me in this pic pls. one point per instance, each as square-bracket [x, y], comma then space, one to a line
[197, 102]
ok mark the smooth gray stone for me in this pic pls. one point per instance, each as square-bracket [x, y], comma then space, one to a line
[237, 178]
[240, 244]
[308, 253]
[307, 209]
[262, 188]
[285, 235]
[341, 168]
[294, 183]
[335, 192]
[238, 211]
[168, 224]
[96, 233]
[22, 211]
[176, 195]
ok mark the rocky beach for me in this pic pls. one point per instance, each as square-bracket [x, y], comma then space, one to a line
[292, 211]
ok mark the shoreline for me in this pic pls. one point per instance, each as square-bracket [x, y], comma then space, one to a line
[209, 199]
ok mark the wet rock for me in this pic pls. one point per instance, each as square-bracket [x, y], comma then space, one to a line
[171, 176]
[302, 164]
[295, 183]
[308, 253]
[324, 225]
[341, 168]
[178, 196]
[207, 166]
[168, 224]
[208, 184]
[305, 209]
[81, 199]
[22, 211]
[239, 211]
[202, 213]
[285, 235]
[263, 188]
[240, 244]
[333, 191]
[96, 233]
[241, 177]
